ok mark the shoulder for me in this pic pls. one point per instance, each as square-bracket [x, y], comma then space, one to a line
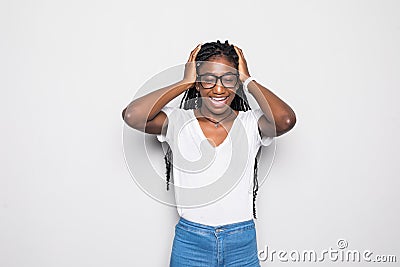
[250, 116]
[169, 110]
[177, 114]
[250, 119]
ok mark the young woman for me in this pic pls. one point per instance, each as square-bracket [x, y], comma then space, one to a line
[216, 228]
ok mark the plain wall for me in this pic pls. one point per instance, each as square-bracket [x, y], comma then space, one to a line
[68, 68]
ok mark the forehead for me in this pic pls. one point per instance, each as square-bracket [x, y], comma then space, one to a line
[217, 66]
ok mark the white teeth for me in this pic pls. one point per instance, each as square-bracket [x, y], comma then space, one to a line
[219, 98]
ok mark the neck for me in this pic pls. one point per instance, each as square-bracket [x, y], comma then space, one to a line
[226, 116]
[221, 118]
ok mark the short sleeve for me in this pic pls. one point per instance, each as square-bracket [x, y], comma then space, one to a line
[265, 140]
[168, 111]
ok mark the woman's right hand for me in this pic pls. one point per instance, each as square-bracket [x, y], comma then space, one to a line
[144, 113]
[189, 76]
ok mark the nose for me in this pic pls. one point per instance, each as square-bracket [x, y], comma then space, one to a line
[219, 88]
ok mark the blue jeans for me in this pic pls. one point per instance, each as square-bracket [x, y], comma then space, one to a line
[197, 245]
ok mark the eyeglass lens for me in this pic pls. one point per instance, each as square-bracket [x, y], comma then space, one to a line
[227, 80]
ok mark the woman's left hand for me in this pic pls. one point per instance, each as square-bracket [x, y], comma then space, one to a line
[243, 70]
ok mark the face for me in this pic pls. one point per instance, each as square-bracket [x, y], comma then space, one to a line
[219, 98]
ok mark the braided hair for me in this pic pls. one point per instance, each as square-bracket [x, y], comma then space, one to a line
[191, 99]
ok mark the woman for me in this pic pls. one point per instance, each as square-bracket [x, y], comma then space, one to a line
[216, 228]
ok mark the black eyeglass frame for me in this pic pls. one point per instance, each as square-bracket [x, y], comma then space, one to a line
[218, 78]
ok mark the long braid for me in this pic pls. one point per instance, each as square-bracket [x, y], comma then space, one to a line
[192, 96]
[255, 188]
[168, 163]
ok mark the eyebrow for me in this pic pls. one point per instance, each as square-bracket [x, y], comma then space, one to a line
[210, 73]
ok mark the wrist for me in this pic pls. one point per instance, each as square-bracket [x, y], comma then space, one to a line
[246, 83]
[185, 84]
[244, 76]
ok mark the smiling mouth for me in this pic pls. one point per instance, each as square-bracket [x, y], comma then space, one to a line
[219, 98]
[219, 101]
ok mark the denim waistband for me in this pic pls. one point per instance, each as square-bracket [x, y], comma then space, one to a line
[232, 226]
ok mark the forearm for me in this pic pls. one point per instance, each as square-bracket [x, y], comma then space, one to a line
[274, 109]
[145, 108]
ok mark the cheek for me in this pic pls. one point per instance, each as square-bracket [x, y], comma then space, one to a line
[231, 98]
[233, 94]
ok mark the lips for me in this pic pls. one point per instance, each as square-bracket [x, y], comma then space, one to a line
[219, 101]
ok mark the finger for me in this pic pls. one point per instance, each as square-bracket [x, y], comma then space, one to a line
[190, 57]
[241, 53]
[196, 50]
[194, 53]
[238, 51]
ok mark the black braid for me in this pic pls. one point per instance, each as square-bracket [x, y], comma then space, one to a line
[168, 161]
[255, 187]
[239, 102]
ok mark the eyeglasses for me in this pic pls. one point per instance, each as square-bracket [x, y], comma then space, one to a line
[228, 80]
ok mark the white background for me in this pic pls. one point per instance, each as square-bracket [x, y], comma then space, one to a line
[68, 68]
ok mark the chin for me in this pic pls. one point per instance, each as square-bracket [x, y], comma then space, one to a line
[218, 109]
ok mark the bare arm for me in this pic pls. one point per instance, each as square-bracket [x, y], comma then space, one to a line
[274, 109]
[283, 116]
[144, 113]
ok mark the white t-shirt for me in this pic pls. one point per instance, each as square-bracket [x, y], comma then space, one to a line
[213, 185]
